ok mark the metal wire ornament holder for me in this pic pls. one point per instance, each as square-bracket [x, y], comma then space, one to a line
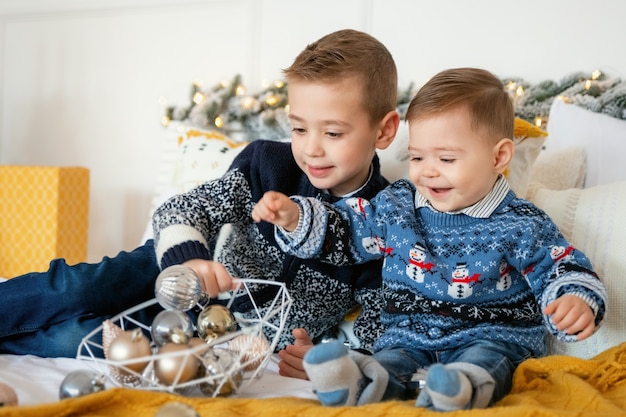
[267, 319]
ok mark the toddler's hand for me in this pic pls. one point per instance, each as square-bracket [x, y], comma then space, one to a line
[572, 315]
[278, 209]
[214, 279]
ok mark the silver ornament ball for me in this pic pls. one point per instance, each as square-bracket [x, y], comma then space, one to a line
[178, 288]
[171, 326]
[81, 382]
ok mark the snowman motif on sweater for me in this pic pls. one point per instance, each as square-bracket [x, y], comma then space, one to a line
[417, 263]
[462, 282]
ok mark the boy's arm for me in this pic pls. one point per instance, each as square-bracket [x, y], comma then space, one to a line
[278, 209]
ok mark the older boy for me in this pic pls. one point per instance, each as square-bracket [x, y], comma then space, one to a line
[342, 99]
[472, 275]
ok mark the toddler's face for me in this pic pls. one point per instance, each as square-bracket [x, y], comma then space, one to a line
[332, 139]
[452, 165]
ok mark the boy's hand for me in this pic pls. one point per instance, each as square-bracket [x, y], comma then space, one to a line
[214, 279]
[572, 314]
[291, 357]
[278, 209]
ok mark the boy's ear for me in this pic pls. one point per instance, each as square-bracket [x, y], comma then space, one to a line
[388, 129]
[503, 153]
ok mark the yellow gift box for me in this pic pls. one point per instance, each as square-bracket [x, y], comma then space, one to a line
[44, 214]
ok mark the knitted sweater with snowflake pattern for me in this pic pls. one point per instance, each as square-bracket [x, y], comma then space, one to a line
[449, 279]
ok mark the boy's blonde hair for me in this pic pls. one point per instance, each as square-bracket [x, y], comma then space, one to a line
[350, 53]
[489, 105]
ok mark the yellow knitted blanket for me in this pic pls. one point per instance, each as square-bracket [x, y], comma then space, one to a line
[546, 387]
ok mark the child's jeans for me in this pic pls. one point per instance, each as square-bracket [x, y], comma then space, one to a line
[499, 359]
[48, 314]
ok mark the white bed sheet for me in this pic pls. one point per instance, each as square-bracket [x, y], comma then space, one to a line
[38, 380]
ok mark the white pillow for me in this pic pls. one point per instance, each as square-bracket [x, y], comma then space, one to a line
[602, 137]
[593, 220]
[203, 155]
[559, 169]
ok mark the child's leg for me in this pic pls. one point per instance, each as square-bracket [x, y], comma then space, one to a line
[488, 366]
[343, 377]
[47, 314]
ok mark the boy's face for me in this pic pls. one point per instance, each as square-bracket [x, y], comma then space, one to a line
[452, 165]
[332, 139]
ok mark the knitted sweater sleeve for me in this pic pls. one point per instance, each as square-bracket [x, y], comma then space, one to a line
[328, 231]
[557, 268]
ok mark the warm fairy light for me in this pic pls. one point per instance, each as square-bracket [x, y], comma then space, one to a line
[271, 100]
[538, 121]
[165, 121]
[596, 74]
[219, 122]
[240, 90]
[279, 84]
[587, 84]
[265, 84]
[519, 91]
[198, 97]
[247, 102]
[511, 85]
[287, 108]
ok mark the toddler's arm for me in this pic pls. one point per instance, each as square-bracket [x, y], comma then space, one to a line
[573, 315]
[278, 209]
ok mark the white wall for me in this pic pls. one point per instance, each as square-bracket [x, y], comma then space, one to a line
[81, 80]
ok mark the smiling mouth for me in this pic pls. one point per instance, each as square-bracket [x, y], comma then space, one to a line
[438, 191]
[319, 171]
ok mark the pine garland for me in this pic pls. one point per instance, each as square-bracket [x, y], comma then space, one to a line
[227, 108]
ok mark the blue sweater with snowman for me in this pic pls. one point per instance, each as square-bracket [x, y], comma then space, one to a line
[448, 278]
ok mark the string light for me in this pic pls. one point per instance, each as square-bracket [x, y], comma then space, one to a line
[198, 97]
[279, 84]
[240, 90]
[219, 122]
[165, 121]
[271, 100]
[596, 74]
[587, 84]
[519, 91]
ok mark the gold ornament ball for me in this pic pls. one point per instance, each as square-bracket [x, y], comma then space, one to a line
[128, 345]
[214, 321]
[176, 364]
[8, 396]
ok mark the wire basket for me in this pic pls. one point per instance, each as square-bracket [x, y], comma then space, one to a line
[264, 322]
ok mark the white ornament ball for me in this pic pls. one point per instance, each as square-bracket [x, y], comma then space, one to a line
[252, 349]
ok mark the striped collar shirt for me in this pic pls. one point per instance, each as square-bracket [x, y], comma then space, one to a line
[483, 208]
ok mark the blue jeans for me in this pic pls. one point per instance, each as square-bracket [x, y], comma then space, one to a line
[47, 314]
[499, 359]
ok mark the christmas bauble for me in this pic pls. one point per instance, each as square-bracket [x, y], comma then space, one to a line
[224, 366]
[81, 382]
[128, 345]
[8, 396]
[176, 409]
[178, 288]
[171, 326]
[252, 349]
[214, 321]
[176, 364]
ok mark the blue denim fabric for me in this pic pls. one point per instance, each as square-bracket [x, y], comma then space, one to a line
[499, 359]
[47, 314]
